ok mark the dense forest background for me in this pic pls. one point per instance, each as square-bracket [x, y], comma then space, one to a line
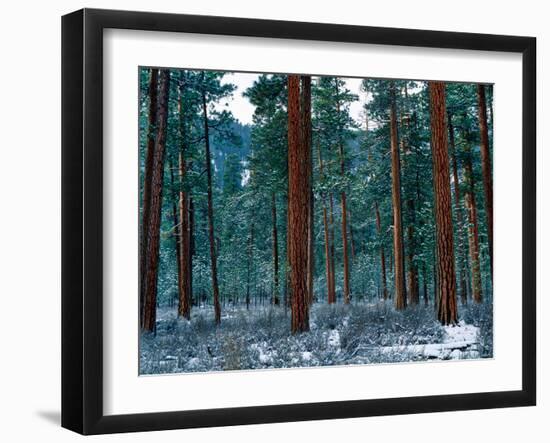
[309, 215]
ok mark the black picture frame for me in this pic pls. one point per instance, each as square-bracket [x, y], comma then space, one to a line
[82, 216]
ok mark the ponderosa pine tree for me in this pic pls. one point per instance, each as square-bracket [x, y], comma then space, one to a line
[331, 296]
[332, 247]
[269, 146]
[155, 204]
[333, 127]
[306, 134]
[400, 299]
[145, 205]
[298, 195]
[486, 166]
[211, 90]
[473, 230]
[184, 268]
[447, 309]
[211, 238]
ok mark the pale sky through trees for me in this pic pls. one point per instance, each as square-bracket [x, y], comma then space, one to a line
[243, 110]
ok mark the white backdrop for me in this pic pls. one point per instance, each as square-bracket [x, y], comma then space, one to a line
[30, 222]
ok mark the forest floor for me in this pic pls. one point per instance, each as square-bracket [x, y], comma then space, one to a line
[359, 333]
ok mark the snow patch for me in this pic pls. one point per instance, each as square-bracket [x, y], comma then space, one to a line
[334, 338]
[460, 341]
[461, 333]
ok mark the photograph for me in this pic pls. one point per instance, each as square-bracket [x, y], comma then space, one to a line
[293, 220]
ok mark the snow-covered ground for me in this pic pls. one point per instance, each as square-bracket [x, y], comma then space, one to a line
[459, 342]
[360, 333]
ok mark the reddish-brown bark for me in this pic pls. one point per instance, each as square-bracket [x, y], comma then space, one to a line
[400, 298]
[473, 231]
[486, 166]
[447, 310]
[305, 133]
[298, 196]
[184, 271]
[145, 205]
[412, 275]
[155, 202]
[184, 308]
[332, 241]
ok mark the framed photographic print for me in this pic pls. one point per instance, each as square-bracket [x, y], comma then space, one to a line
[269, 221]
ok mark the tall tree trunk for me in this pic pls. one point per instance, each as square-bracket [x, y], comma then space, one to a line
[328, 268]
[400, 291]
[382, 256]
[275, 298]
[412, 276]
[298, 195]
[155, 201]
[486, 166]
[345, 256]
[305, 129]
[461, 255]
[184, 306]
[332, 242]
[146, 205]
[473, 232]
[175, 218]
[447, 310]
[213, 259]
[191, 244]
[331, 298]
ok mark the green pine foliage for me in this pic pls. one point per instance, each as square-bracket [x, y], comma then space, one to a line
[249, 164]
